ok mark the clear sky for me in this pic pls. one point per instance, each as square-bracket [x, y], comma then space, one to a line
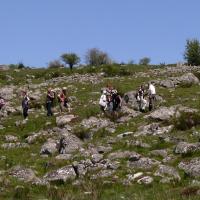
[38, 31]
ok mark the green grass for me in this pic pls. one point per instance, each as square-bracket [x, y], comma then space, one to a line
[122, 78]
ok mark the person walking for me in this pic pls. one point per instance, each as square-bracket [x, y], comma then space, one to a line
[152, 96]
[103, 101]
[49, 101]
[25, 104]
[63, 100]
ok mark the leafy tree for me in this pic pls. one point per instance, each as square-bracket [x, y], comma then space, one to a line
[192, 52]
[144, 61]
[71, 59]
[97, 57]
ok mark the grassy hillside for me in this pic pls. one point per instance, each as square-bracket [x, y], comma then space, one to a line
[84, 84]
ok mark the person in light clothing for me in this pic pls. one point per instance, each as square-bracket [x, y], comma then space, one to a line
[152, 96]
[103, 101]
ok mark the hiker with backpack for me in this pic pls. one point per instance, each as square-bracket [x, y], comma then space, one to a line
[25, 104]
[49, 101]
[152, 95]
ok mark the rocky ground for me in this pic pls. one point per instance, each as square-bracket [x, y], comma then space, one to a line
[83, 154]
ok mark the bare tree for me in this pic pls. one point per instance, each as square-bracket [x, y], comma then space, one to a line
[97, 57]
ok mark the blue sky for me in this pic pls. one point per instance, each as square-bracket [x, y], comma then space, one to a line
[38, 31]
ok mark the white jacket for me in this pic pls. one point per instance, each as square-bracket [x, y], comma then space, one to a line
[102, 101]
[152, 89]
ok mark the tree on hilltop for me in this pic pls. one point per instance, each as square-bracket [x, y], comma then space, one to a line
[71, 59]
[96, 57]
[192, 52]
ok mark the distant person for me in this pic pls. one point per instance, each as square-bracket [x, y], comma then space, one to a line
[2, 102]
[25, 104]
[143, 103]
[49, 101]
[63, 100]
[140, 98]
[152, 95]
[103, 101]
[117, 101]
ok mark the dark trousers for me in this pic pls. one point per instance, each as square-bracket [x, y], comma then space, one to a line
[25, 112]
[49, 110]
[152, 99]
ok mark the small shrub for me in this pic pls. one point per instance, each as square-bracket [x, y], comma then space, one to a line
[186, 121]
[111, 70]
[82, 133]
[21, 193]
[185, 85]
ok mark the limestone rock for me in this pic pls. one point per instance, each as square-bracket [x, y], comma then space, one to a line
[23, 174]
[185, 148]
[62, 174]
[63, 120]
[191, 168]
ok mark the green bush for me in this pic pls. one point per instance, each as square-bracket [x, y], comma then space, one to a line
[111, 70]
[82, 133]
[186, 121]
[21, 193]
[185, 85]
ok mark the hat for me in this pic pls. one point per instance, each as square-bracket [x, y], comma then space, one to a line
[64, 88]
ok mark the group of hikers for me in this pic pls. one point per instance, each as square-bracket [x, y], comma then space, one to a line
[50, 98]
[146, 97]
[111, 100]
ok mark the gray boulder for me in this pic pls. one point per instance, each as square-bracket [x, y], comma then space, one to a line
[191, 168]
[95, 124]
[23, 174]
[153, 129]
[124, 154]
[167, 171]
[69, 143]
[49, 147]
[62, 174]
[143, 163]
[185, 148]
[166, 113]
[63, 120]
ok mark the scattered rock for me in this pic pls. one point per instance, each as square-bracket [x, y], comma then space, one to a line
[153, 129]
[11, 138]
[63, 120]
[143, 163]
[191, 168]
[23, 174]
[185, 148]
[146, 180]
[168, 171]
[166, 113]
[62, 174]
[14, 145]
[50, 147]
